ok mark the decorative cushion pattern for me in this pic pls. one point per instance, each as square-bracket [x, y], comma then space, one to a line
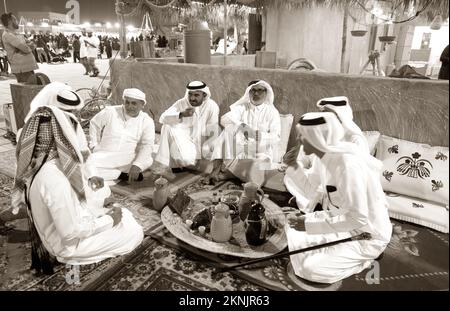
[418, 211]
[416, 170]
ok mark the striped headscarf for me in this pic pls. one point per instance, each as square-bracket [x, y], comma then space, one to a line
[31, 141]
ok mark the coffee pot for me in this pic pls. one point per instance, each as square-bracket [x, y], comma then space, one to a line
[252, 194]
[221, 224]
[256, 225]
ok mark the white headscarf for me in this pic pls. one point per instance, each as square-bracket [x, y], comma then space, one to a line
[340, 105]
[197, 86]
[135, 94]
[324, 131]
[248, 106]
[245, 100]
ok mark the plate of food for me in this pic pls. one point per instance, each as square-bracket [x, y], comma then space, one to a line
[188, 218]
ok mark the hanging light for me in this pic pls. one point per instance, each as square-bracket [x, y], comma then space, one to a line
[436, 23]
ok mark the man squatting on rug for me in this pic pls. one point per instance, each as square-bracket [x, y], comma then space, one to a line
[69, 225]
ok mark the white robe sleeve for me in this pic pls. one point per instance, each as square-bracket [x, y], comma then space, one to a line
[233, 117]
[171, 116]
[96, 126]
[70, 218]
[273, 135]
[212, 124]
[144, 148]
[353, 191]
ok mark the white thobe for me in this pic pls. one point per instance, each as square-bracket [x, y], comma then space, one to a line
[119, 141]
[303, 182]
[248, 159]
[186, 140]
[83, 48]
[354, 203]
[69, 229]
[92, 51]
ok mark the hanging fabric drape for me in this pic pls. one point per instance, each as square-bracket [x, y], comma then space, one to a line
[132, 13]
[156, 6]
[146, 26]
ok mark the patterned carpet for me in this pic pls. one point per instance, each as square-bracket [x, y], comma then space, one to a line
[416, 259]
[8, 163]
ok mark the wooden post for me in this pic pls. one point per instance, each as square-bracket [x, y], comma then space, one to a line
[344, 37]
[123, 38]
[225, 28]
[122, 30]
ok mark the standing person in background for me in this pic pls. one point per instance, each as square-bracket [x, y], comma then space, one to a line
[76, 49]
[83, 52]
[40, 49]
[443, 73]
[19, 53]
[100, 48]
[92, 49]
[4, 67]
[108, 47]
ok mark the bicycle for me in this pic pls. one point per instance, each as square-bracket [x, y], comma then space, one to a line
[95, 101]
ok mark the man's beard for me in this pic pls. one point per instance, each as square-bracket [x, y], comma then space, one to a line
[15, 26]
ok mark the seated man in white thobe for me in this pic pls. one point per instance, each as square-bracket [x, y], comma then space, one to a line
[122, 139]
[249, 141]
[302, 175]
[189, 126]
[49, 183]
[354, 204]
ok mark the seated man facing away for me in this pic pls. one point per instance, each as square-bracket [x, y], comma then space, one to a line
[188, 126]
[49, 183]
[355, 203]
[60, 98]
[302, 177]
[249, 141]
[122, 139]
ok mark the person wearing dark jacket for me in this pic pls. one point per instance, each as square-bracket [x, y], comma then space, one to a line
[443, 73]
[76, 49]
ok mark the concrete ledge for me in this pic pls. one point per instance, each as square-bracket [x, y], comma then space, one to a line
[414, 110]
[247, 61]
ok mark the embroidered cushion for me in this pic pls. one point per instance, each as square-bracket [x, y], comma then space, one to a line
[412, 169]
[372, 140]
[421, 212]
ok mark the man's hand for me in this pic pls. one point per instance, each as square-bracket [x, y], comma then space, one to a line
[96, 183]
[290, 158]
[133, 174]
[189, 112]
[248, 131]
[116, 214]
[297, 222]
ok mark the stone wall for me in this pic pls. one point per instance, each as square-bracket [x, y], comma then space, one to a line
[415, 110]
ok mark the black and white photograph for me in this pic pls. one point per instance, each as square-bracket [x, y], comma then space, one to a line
[230, 146]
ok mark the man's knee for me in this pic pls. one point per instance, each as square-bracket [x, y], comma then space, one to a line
[314, 268]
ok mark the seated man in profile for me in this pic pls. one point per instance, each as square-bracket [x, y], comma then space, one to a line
[122, 139]
[303, 173]
[354, 204]
[249, 141]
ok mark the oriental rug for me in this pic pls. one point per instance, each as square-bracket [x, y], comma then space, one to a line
[416, 259]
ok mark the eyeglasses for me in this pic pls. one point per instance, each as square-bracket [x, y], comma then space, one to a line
[258, 90]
